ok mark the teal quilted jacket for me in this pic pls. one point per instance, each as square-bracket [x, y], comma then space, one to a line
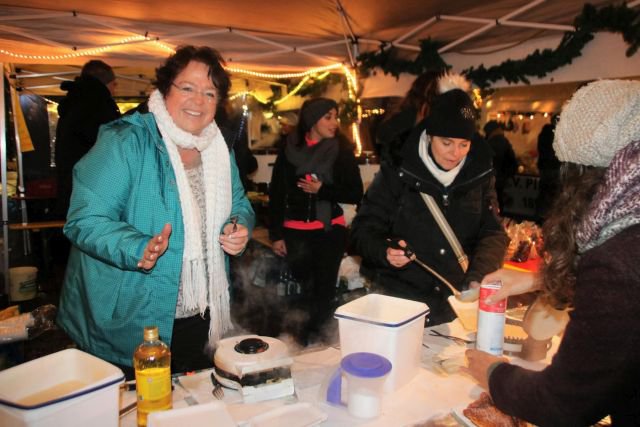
[124, 191]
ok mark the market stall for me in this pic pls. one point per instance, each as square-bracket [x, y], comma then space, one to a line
[438, 390]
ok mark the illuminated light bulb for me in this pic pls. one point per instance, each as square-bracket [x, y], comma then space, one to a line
[294, 91]
[356, 138]
[531, 117]
[520, 116]
[546, 115]
[499, 115]
[284, 75]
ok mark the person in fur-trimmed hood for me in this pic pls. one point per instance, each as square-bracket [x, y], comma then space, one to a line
[438, 159]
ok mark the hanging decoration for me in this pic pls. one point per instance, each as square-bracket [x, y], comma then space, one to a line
[387, 59]
[613, 18]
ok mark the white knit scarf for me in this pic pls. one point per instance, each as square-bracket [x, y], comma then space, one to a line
[199, 291]
[444, 177]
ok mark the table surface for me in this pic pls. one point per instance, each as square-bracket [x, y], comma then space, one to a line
[37, 225]
[432, 393]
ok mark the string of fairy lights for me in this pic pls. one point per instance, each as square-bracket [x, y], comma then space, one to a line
[519, 115]
[317, 73]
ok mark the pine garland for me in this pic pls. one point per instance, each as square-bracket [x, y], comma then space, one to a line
[617, 19]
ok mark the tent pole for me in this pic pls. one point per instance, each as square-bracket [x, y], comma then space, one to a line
[420, 27]
[195, 34]
[21, 189]
[29, 75]
[3, 173]
[485, 27]
[32, 36]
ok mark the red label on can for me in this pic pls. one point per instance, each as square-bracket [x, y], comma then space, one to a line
[486, 291]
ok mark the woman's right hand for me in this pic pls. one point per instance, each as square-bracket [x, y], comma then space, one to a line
[397, 257]
[280, 248]
[156, 247]
[513, 283]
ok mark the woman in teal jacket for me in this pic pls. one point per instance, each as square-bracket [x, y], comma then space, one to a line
[157, 207]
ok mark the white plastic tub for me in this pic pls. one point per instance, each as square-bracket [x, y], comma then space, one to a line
[388, 326]
[68, 388]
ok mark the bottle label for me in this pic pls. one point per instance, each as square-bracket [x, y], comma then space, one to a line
[488, 290]
[153, 383]
[491, 320]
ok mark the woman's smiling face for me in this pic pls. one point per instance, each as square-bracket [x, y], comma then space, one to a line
[190, 102]
[326, 127]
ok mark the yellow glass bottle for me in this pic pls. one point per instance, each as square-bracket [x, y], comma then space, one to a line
[152, 364]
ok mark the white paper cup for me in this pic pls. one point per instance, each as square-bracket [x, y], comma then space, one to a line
[22, 281]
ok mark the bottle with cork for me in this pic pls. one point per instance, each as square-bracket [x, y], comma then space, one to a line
[152, 365]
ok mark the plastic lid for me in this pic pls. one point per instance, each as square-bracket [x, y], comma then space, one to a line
[366, 365]
[382, 310]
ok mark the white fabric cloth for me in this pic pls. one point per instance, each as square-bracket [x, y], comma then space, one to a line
[444, 177]
[201, 290]
[195, 175]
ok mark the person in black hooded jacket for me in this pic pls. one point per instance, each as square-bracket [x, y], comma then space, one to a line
[440, 160]
[87, 106]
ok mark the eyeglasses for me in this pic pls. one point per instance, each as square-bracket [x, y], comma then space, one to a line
[189, 91]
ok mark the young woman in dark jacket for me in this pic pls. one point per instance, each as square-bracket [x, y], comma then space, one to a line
[314, 171]
[440, 160]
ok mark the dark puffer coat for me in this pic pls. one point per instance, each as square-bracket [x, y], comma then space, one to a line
[393, 208]
[87, 106]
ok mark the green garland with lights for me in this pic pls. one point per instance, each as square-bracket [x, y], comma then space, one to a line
[314, 88]
[617, 19]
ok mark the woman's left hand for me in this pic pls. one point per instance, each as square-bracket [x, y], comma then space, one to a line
[478, 364]
[233, 242]
[311, 187]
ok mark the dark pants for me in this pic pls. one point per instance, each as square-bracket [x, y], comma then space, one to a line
[190, 336]
[188, 345]
[314, 258]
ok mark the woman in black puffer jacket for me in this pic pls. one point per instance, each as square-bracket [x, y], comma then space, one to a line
[438, 159]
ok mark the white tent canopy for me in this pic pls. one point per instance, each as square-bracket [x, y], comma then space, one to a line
[278, 35]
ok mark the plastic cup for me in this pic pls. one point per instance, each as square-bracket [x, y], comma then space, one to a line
[366, 374]
[22, 282]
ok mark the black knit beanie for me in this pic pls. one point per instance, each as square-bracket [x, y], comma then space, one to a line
[452, 115]
[313, 109]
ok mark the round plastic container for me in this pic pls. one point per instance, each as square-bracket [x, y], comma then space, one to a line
[22, 281]
[365, 374]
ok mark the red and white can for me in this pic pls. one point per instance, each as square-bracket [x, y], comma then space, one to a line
[491, 320]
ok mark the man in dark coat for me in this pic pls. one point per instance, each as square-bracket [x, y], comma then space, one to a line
[505, 164]
[87, 105]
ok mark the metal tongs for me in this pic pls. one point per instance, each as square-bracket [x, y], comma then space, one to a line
[468, 295]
